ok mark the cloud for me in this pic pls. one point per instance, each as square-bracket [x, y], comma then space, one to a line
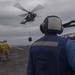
[15, 33]
[8, 31]
[5, 4]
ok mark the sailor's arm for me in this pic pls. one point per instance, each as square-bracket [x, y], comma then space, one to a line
[70, 51]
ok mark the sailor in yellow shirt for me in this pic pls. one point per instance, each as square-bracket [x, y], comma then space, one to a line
[0, 49]
[5, 48]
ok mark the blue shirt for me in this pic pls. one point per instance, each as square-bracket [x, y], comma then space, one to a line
[70, 52]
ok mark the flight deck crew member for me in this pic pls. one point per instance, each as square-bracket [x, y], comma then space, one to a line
[51, 54]
[5, 48]
[0, 49]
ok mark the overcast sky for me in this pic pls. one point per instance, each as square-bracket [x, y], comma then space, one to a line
[17, 34]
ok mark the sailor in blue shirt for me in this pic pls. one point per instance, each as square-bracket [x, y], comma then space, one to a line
[51, 54]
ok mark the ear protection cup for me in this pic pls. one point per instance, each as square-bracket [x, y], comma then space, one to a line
[61, 30]
[42, 27]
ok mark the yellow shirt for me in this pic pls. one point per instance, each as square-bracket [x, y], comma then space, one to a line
[5, 46]
[0, 46]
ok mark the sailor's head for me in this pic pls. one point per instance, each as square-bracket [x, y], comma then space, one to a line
[51, 25]
[4, 40]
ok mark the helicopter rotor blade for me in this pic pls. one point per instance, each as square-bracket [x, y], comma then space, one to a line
[38, 7]
[17, 5]
[23, 15]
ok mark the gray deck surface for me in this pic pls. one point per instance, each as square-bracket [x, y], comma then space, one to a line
[18, 62]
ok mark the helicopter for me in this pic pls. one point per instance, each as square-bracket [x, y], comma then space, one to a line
[30, 15]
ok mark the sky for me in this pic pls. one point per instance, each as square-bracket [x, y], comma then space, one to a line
[17, 34]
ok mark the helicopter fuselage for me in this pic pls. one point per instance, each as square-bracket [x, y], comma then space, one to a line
[30, 16]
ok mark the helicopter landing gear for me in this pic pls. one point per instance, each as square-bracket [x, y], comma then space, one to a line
[23, 22]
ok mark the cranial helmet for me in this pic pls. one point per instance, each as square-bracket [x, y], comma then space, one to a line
[52, 25]
[4, 40]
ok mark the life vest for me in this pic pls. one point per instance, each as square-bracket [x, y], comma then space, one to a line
[5, 46]
[0, 46]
